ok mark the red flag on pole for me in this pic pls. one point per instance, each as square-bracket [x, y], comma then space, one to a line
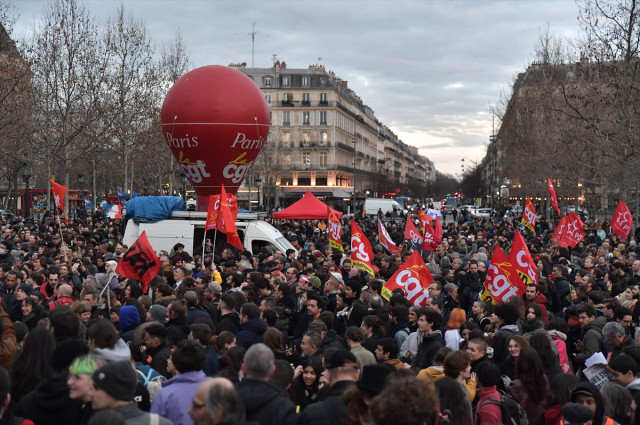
[335, 231]
[226, 222]
[552, 196]
[214, 210]
[140, 262]
[436, 237]
[386, 241]
[361, 251]
[59, 192]
[529, 217]
[573, 232]
[414, 279]
[559, 231]
[502, 281]
[425, 220]
[522, 261]
[412, 234]
[621, 221]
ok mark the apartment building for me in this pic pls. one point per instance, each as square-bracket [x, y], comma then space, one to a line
[324, 139]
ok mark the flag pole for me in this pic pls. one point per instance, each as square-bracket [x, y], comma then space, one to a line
[204, 240]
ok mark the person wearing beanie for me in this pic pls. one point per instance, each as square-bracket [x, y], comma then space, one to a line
[114, 386]
[157, 313]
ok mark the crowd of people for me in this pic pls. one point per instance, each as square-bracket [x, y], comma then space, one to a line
[305, 337]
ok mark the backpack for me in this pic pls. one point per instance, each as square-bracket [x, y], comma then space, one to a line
[153, 385]
[512, 412]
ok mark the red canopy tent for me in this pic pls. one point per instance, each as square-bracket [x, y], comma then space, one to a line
[307, 208]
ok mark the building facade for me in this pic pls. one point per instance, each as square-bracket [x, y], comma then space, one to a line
[324, 139]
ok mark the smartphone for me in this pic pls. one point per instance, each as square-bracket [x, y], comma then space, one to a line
[506, 380]
[290, 341]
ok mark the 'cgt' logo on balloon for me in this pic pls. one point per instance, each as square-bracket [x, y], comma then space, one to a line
[215, 120]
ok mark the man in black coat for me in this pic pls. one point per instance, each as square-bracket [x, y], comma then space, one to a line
[263, 401]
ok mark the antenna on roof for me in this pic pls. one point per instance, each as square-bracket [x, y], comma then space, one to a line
[253, 34]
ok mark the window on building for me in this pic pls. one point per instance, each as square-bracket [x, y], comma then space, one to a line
[323, 160]
[304, 181]
[267, 97]
[321, 181]
[267, 81]
[286, 81]
[305, 81]
[323, 117]
[306, 118]
[286, 181]
[323, 98]
[286, 118]
[286, 140]
[305, 98]
[306, 160]
[306, 139]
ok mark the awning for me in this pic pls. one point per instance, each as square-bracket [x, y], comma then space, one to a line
[341, 193]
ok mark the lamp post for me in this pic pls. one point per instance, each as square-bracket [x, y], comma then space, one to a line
[183, 180]
[353, 203]
[475, 166]
[26, 175]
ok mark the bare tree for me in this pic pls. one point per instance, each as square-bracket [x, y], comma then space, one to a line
[69, 63]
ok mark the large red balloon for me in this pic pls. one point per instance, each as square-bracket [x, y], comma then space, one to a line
[215, 121]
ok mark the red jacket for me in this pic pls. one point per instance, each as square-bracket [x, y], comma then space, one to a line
[490, 413]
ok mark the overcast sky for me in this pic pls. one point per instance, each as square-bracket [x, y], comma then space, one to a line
[431, 70]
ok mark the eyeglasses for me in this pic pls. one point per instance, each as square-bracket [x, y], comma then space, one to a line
[196, 406]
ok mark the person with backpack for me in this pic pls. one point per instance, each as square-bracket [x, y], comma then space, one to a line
[488, 378]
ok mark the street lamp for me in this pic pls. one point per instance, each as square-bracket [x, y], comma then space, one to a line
[353, 203]
[26, 175]
[183, 180]
[475, 178]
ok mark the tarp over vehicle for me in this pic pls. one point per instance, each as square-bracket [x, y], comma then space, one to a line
[149, 209]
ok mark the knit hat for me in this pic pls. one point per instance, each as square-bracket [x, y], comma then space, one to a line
[576, 414]
[26, 288]
[112, 263]
[314, 281]
[116, 379]
[374, 377]
[158, 312]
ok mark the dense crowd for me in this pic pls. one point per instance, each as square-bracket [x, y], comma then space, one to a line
[305, 337]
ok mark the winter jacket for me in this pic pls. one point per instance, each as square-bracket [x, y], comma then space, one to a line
[410, 345]
[427, 350]
[541, 300]
[599, 418]
[174, 399]
[251, 333]
[119, 352]
[7, 341]
[132, 415]
[331, 411]
[159, 357]
[634, 386]
[364, 356]
[229, 322]
[49, 404]
[265, 403]
[452, 339]
[177, 330]
[592, 339]
[488, 413]
[559, 339]
[431, 374]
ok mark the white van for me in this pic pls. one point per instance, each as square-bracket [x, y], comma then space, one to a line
[187, 228]
[388, 207]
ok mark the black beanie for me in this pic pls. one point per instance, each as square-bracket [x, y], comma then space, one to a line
[116, 379]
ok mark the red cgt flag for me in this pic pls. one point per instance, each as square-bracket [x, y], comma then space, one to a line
[529, 217]
[335, 231]
[414, 279]
[140, 262]
[502, 281]
[361, 252]
[521, 259]
[621, 221]
[434, 239]
[552, 196]
[214, 210]
[425, 220]
[226, 222]
[386, 241]
[560, 229]
[59, 192]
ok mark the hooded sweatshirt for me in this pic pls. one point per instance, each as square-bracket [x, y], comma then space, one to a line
[588, 388]
[251, 333]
